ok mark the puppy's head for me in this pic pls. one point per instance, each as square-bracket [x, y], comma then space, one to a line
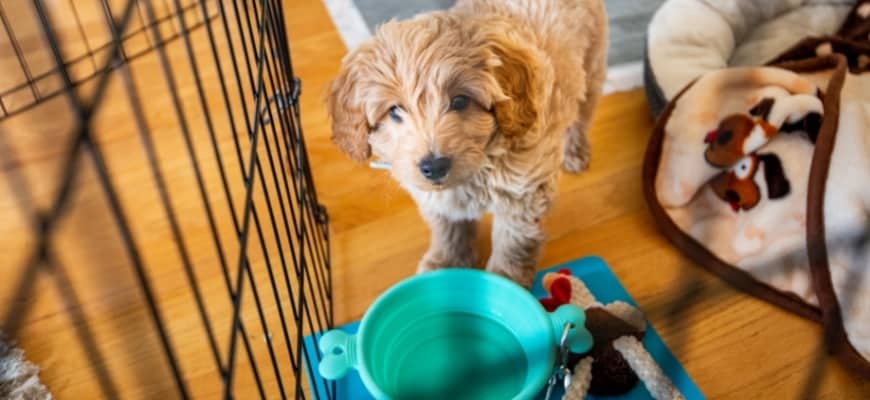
[428, 94]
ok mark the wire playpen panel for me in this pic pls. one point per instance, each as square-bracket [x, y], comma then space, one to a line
[161, 233]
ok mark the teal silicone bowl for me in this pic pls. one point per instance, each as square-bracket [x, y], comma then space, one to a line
[454, 334]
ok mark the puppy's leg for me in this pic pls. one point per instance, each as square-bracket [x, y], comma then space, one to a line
[517, 235]
[516, 245]
[451, 245]
[577, 149]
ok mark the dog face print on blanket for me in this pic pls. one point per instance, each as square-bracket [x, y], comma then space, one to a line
[738, 187]
[718, 130]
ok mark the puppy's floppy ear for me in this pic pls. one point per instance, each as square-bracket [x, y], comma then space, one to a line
[350, 128]
[515, 74]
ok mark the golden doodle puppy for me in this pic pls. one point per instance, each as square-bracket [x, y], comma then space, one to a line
[475, 108]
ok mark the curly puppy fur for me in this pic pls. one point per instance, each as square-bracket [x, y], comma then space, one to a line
[504, 90]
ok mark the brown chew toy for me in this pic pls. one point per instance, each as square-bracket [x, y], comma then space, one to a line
[611, 374]
[618, 359]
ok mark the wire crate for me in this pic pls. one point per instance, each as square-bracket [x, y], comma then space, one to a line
[161, 235]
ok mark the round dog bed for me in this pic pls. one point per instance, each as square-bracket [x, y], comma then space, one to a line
[687, 38]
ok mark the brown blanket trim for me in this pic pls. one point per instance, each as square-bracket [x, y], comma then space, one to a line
[835, 334]
[852, 41]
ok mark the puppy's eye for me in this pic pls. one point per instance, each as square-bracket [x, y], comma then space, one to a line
[394, 114]
[459, 103]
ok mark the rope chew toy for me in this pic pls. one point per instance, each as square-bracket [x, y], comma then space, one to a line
[617, 360]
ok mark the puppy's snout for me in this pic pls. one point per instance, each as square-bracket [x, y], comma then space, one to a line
[434, 168]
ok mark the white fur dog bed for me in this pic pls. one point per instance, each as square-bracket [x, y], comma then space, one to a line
[689, 37]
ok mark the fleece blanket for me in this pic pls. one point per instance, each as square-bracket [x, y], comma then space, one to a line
[762, 175]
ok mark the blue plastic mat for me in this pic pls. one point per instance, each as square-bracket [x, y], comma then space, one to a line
[603, 284]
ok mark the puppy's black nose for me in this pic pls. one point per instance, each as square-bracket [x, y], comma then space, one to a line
[434, 168]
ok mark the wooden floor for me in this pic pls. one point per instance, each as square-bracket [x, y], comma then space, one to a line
[732, 345]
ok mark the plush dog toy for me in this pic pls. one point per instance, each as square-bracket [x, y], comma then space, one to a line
[733, 145]
[739, 135]
[737, 186]
[617, 358]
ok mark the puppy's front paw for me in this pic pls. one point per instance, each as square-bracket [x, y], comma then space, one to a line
[437, 260]
[525, 277]
[576, 159]
[428, 264]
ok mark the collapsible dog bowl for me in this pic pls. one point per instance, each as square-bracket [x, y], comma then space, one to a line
[455, 334]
